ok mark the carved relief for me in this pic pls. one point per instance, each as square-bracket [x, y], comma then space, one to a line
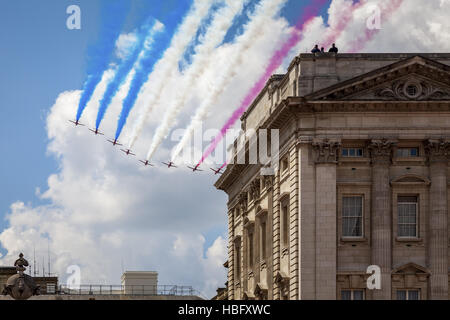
[381, 150]
[268, 181]
[437, 150]
[326, 151]
[243, 201]
[255, 189]
[413, 90]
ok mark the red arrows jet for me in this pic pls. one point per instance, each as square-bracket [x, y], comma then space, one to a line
[216, 171]
[96, 132]
[128, 152]
[195, 168]
[146, 163]
[170, 164]
[76, 123]
[115, 142]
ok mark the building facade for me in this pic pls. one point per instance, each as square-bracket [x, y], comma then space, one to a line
[363, 179]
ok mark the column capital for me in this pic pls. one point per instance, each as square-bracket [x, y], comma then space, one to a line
[326, 150]
[437, 150]
[381, 150]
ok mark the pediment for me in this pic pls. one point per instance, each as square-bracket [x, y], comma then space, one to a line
[410, 179]
[410, 268]
[413, 79]
[281, 277]
[247, 295]
[260, 288]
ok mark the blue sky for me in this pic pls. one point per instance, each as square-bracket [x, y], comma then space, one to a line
[40, 59]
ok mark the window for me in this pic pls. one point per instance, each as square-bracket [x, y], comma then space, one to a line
[352, 216]
[51, 288]
[411, 90]
[408, 294]
[285, 223]
[250, 250]
[284, 164]
[407, 216]
[263, 240]
[407, 152]
[352, 152]
[351, 294]
[238, 261]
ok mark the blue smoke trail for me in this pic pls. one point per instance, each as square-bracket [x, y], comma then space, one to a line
[113, 18]
[148, 61]
[124, 69]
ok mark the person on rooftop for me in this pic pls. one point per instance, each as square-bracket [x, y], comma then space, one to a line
[333, 48]
[315, 49]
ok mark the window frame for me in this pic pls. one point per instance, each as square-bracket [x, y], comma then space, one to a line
[407, 291]
[362, 215]
[356, 149]
[238, 260]
[285, 164]
[352, 294]
[284, 222]
[397, 155]
[263, 239]
[251, 249]
[417, 216]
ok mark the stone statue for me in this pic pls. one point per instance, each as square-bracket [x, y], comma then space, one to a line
[20, 286]
[21, 263]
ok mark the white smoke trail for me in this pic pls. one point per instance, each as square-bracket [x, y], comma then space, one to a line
[166, 66]
[221, 22]
[266, 9]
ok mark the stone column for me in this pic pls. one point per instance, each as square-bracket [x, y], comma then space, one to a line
[381, 219]
[231, 254]
[269, 181]
[306, 221]
[326, 161]
[437, 151]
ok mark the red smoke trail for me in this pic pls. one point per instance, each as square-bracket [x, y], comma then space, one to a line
[223, 166]
[334, 32]
[345, 18]
[309, 13]
[386, 11]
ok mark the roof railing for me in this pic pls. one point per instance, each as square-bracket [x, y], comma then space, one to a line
[149, 290]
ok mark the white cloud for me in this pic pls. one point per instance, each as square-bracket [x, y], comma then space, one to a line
[125, 43]
[103, 208]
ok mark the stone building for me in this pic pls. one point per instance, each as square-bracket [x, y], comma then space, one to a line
[363, 179]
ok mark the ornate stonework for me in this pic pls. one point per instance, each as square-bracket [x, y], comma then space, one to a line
[381, 150]
[243, 202]
[411, 89]
[255, 189]
[268, 181]
[437, 150]
[326, 150]
[21, 286]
